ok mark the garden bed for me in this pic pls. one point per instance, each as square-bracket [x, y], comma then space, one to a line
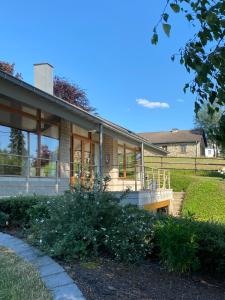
[105, 279]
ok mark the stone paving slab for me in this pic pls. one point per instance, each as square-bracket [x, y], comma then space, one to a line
[53, 275]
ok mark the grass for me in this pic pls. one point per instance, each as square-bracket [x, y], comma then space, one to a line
[205, 198]
[19, 279]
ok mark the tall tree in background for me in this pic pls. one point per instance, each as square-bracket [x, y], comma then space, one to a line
[17, 142]
[204, 53]
[70, 92]
[210, 124]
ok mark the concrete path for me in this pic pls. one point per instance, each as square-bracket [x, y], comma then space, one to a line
[53, 275]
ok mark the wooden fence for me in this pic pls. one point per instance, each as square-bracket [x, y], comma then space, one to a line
[185, 163]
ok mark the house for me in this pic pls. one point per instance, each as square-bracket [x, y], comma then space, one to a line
[183, 143]
[47, 145]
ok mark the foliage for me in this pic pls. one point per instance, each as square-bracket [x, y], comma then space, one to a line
[89, 224]
[83, 225]
[10, 69]
[211, 124]
[19, 279]
[3, 219]
[211, 249]
[17, 209]
[204, 53]
[178, 244]
[130, 238]
[70, 92]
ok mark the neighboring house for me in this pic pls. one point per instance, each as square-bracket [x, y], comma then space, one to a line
[189, 143]
[48, 144]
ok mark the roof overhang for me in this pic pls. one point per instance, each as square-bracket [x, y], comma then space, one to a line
[28, 94]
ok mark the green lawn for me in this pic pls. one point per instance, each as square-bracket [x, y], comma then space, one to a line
[205, 198]
[19, 280]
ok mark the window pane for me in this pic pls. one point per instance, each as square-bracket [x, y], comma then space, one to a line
[49, 156]
[121, 161]
[13, 151]
[130, 163]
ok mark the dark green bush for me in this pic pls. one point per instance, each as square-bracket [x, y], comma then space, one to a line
[177, 243]
[211, 250]
[17, 209]
[3, 219]
[83, 224]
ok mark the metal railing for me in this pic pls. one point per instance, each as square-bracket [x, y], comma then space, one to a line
[31, 167]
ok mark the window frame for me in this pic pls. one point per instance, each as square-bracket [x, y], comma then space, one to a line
[39, 119]
[183, 148]
[135, 151]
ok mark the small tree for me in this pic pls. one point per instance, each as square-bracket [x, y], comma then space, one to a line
[70, 92]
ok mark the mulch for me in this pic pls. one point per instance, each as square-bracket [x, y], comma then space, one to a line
[109, 280]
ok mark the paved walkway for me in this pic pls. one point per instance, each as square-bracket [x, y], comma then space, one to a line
[53, 275]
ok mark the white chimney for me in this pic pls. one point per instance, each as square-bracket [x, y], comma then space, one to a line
[43, 77]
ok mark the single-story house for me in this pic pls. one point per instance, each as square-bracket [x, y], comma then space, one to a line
[48, 145]
[183, 143]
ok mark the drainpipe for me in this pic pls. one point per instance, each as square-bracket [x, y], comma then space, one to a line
[100, 151]
[142, 167]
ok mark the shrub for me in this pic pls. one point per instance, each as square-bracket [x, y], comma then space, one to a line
[130, 237]
[178, 244]
[74, 226]
[17, 209]
[82, 225]
[211, 250]
[3, 219]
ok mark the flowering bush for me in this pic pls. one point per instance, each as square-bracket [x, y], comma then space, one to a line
[85, 224]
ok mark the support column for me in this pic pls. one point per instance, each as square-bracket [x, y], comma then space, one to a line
[101, 151]
[142, 167]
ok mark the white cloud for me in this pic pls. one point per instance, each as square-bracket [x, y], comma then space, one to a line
[152, 104]
[180, 100]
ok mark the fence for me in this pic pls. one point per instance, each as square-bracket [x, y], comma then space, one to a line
[185, 163]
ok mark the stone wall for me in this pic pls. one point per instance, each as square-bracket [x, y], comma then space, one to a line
[191, 148]
[64, 149]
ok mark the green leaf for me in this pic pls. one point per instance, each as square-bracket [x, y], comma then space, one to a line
[175, 7]
[155, 39]
[189, 17]
[165, 17]
[166, 28]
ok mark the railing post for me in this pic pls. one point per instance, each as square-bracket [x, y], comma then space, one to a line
[57, 177]
[135, 177]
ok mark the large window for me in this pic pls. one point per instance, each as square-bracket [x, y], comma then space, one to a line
[29, 140]
[13, 151]
[126, 162]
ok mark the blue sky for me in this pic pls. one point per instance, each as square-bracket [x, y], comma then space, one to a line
[104, 47]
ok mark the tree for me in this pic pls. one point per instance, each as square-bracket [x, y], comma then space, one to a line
[70, 92]
[17, 142]
[210, 124]
[10, 69]
[204, 53]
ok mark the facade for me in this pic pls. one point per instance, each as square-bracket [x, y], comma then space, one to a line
[48, 145]
[179, 143]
